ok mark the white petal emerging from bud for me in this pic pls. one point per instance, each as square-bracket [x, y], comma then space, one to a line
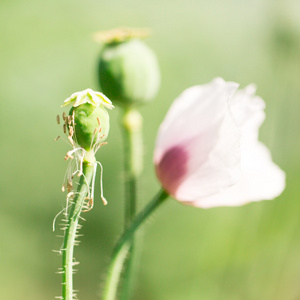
[207, 153]
[88, 96]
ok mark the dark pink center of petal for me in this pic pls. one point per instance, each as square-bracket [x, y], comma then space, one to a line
[172, 168]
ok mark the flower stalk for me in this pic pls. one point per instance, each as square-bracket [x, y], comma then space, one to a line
[71, 230]
[133, 158]
[86, 127]
[133, 164]
[129, 75]
[123, 245]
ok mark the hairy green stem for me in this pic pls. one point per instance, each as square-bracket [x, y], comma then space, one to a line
[71, 231]
[133, 164]
[123, 245]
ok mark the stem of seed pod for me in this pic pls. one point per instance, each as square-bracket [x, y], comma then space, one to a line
[133, 158]
[71, 230]
[123, 245]
[133, 164]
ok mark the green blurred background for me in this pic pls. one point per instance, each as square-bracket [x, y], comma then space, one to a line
[47, 53]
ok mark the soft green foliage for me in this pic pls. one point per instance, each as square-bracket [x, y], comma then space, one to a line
[87, 126]
[245, 253]
[129, 72]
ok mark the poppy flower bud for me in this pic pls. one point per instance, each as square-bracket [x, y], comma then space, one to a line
[128, 69]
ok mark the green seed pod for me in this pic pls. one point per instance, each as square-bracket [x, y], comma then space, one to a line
[91, 125]
[88, 120]
[128, 70]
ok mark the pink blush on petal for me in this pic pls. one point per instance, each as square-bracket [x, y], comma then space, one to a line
[172, 168]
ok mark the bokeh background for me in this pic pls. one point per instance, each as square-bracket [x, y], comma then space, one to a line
[47, 53]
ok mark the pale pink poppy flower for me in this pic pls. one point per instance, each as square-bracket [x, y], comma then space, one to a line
[207, 151]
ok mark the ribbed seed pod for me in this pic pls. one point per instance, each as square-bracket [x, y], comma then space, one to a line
[128, 72]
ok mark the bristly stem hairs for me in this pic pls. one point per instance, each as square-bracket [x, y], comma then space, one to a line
[86, 127]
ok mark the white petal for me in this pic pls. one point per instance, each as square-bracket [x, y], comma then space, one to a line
[193, 113]
[248, 111]
[265, 180]
[200, 125]
[261, 180]
[218, 168]
[207, 153]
